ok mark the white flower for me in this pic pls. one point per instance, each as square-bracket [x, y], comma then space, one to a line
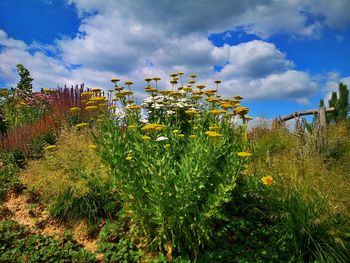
[170, 112]
[161, 138]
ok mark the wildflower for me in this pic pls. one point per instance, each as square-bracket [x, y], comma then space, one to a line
[82, 125]
[96, 89]
[86, 94]
[238, 97]
[74, 109]
[128, 158]
[192, 136]
[181, 135]
[193, 76]
[92, 147]
[128, 93]
[267, 180]
[91, 108]
[167, 146]
[128, 82]
[217, 81]
[119, 88]
[244, 154]
[156, 78]
[241, 110]
[192, 81]
[153, 126]
[175, 131]
[98, 99]
[200, 86]
[226, 106]
[173, 75]
[161, 138]
[146, 138]
[114, 80]
[50, 147]
[217, 112]
[135, 107]
[212, 134]
[210, 99]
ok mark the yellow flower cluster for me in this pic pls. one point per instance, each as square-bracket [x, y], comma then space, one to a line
[153, 127]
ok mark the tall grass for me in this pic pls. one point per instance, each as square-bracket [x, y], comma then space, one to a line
[310, 194]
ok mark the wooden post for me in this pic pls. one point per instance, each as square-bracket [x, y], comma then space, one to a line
[322, 117]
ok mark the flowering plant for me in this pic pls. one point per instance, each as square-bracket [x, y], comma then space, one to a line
[176, 172]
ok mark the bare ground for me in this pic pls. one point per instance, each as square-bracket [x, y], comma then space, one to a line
[36, 217]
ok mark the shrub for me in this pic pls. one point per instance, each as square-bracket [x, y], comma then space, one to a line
[71, 179]
[8, 174]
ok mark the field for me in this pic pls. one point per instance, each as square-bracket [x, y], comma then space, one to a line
[89, 175]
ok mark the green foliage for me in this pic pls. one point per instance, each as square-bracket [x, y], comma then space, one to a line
[340, 101]
[95, 204]
[25, 83]
[19, 245]
[8, 174]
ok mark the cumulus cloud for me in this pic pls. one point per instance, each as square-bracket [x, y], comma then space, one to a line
[134, 39]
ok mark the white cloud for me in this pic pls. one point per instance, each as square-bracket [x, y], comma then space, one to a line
[134, 39]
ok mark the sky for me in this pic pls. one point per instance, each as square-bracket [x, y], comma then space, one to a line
[282, 56]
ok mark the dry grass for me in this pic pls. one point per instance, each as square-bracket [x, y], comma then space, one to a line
[67, 166]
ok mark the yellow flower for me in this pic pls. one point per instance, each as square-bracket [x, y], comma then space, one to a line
[98, 99]
[212, 99]
[86, 94]
[193, 76]
[82, 125]
[267, 180]
[74, 109]
[156, 78]
[180, 135]
[175, 131]
[212, 134]
[167, 145]
[96, 89]
[115, 80]
[128, 158]
[132, 126]
[238, 97]
[153, 126]
[149, 89]
[241, 110]
[146, 138]
[148, 80]
[92, 147]
[50, 147]
[192, 136]
[226, 105]
[91, 108]
[200, 86]
[244, 154]
[217, 81]
[128, 93]
[217, 112]
[135, 107]
[128, 82]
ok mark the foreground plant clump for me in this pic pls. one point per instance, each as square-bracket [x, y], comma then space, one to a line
[174, 159]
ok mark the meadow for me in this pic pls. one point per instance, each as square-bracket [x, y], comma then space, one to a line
[89, 175]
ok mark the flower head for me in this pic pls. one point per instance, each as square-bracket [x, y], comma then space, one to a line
[74, 109]
[50, 147]
[212, 134]
[267, 180]
[244, 154]
[92, 147]
[82, 125]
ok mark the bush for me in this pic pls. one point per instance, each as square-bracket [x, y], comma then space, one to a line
[8, 175]
[71, 179]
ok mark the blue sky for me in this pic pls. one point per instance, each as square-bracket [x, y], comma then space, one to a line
[283, 56]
